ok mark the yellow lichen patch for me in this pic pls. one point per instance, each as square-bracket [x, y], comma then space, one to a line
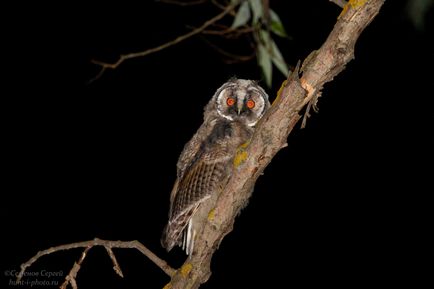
[168, 286]
[211, 215]
[344, 10]
[244, 145]
[279, 92]
[185, 269]
[240, 157]
[357, 3]
[353, 4]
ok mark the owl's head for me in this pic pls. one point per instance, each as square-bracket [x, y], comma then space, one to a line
[241, 100]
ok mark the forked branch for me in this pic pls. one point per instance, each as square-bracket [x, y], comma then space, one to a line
[108, 245]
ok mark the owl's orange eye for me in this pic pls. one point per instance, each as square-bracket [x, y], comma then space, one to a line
[250, 104]
[230, 101]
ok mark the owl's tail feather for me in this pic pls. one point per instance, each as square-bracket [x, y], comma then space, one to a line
[189, 235]
[186, 241]
[179, 231]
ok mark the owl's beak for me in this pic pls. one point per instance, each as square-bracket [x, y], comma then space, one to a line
[239, 110]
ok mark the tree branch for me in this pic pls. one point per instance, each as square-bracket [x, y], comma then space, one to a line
[108, 245]
[271, 135]
[70, 278]
[123, 57]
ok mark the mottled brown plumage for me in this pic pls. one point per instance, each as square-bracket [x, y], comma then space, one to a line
[207, 159]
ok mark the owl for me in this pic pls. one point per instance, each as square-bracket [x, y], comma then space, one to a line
[206, 161]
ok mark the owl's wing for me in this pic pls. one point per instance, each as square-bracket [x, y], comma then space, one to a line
[196, 185]
[192, 148]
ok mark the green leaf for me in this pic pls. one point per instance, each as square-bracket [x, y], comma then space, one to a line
[276, 25]
[258, 10]
[243, 15]
[278, 59]
[265, 38]
[264, 61]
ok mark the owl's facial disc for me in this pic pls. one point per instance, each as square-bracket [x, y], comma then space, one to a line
[242, 100]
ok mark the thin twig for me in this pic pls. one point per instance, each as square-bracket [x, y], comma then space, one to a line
[237, 31]
[222, 7]
[221, 26]
[98, 75]
[340, 3]
[123, 57]
[70, 278]
[116, 266]
[105, 243]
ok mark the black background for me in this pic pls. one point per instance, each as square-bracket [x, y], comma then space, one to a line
[348, 202]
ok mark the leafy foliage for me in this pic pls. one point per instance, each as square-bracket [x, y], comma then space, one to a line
[264, 20]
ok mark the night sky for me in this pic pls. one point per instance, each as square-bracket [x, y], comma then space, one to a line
[348, 202]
